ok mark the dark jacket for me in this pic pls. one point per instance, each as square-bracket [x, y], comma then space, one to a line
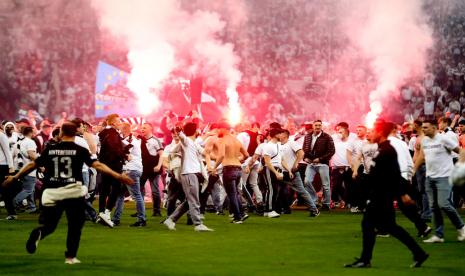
[385, 178]
[323, 149]
[111, 149]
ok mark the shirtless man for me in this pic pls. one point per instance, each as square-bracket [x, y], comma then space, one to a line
[230, 151]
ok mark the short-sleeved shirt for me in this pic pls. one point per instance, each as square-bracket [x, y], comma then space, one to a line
[289, 152]
[26, 145]
[438, 157]
[154, 145]
[63, 164]
[368, 152]
[272, 150]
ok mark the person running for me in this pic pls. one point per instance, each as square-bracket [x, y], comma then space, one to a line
[385, 179]
[63, 189]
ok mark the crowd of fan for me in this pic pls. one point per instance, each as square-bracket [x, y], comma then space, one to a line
[280, 42]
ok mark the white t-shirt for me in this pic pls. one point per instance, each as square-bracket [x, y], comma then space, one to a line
[190, 155]
[368, 152]
[289, 152]
[244, 138]
[454, 137]
[272, 150]
[355, 146]
[78, 140]
[25, 145]
[438, 157]
[339, 158]
[135, 153]
[154, 145]
[403, 157]
[259, 149]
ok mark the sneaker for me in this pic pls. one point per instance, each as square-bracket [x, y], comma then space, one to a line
[231, 215]
[33, 241]
[72, 261]
[236, 221]
[202, 228]
[12, 217]
[425, 233]
[156, 214]
[32, 211]
[140, 223]
[358, 264]
[244, 217]
[461, 234]
[434, 239]
[355, 210]
[273, 214]
[383, 235]
[314, 214]
[134, 215]
[265, 214]
[219, 213]
[418, 261]
[105, 218]
[169, 223]
[116, 222]
[325, 208]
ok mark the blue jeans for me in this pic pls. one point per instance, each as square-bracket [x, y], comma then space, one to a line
[310, 173]
[231, 178]
[297, 185]
[440, 198]
[28, 187]
[134, 191]
[421, 178]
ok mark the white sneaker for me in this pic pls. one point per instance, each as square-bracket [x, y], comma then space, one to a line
[72, 261]
[231, 215]
[202, 228]
[265, 214]
[461, 234]
[2, 204]
[12, 217]
[354, 210]
[434, 239]
[273, 214]
[105, 217]
[169, 223]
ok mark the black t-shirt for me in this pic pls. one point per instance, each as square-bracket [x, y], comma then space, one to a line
[63, 164]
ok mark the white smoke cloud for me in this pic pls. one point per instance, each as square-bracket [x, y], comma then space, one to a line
[394, 37]
[161, 36]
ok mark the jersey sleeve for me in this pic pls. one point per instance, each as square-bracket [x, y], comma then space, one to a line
[40, 161]
[86, 157]
[269, 151]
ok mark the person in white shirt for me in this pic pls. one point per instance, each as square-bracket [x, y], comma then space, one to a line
[172, 163]
[250, 141]
[191, 171]
[292, 154]
[406, 170]
[436, 153]
[341, 173]
[27, 149]
[6, 168]
[275, 196]
[354, 149]
[133, 168]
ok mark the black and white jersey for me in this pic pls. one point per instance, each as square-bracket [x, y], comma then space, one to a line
[63, 164]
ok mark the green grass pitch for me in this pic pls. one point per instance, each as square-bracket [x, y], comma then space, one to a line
[291, 245]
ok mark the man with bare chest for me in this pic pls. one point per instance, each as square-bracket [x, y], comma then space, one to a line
[230, 154]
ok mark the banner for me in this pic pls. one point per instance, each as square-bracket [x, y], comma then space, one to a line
[111, 93]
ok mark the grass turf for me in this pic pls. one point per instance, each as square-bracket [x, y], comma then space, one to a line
[291, 245]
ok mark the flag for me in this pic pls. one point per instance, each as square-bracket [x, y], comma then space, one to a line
[111, 93]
